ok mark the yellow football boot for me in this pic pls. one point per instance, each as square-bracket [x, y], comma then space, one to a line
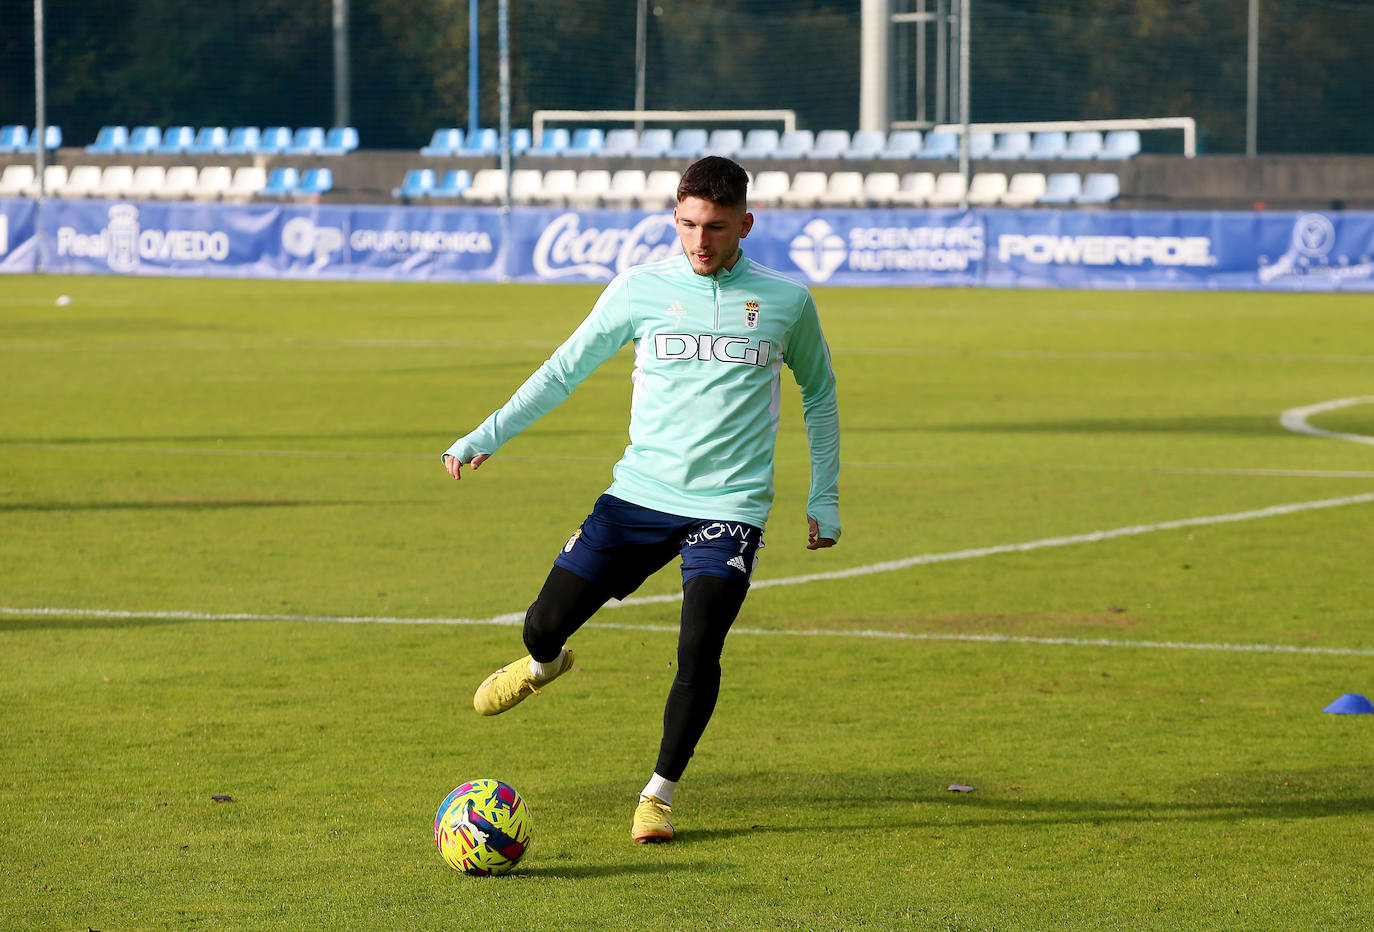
[651, 824]
[510, 685]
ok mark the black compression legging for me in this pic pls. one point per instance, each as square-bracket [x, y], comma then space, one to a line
[709, 607]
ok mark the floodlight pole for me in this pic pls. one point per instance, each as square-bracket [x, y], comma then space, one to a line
[40, 122]
[503, 43]
[474, 99]
[1252, 83]
[965, 18]
[641, 56]
[341, 88]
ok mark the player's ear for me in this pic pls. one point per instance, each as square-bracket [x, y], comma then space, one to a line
[746, 224]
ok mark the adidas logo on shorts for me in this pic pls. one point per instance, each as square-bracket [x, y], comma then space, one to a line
[738, 563]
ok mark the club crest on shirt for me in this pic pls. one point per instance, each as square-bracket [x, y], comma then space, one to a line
[751, 314]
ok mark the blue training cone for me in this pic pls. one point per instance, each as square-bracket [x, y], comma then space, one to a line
[1351, 704]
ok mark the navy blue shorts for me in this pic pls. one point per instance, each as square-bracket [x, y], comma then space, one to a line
[620, 545]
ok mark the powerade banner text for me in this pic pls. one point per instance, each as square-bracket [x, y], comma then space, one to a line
[1004, 248]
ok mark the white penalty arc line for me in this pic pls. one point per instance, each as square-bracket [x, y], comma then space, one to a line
[516, 618]
[1295, 419]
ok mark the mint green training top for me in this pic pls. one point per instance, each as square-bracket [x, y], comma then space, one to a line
[704, 411]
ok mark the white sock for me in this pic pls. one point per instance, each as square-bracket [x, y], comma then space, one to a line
[663, 789]
[545, 671]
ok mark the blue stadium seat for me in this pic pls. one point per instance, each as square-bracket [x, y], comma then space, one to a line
[446, 141]
[281, 182]
[1048, 144]
[209, 140]
[340, 140]
[689, 143]
[869, 144]
[307, 140]
[314, 182]
[904, 144]
[795, 144]
[453, 183]
[52, 139]
[653, 144]
[1083, 144]
[13, 138]
[1013, 145]
[552, 142]
[143, 140]
[829, 144]
[416, 185]
[243, 140]
[520, 140]
[727, 142]
[939, 145]
[759, 144]
[980, 145]
[586, 140]
[1120, 144]
[486, 142]
[274, 141]
[1100, 188]
[176, 140]
[108, 140]
[620, 143]
[1062, 188]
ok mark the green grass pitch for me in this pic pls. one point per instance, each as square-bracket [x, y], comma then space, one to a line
[199, 475]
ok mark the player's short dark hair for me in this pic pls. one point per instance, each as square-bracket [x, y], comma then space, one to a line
[715, 179]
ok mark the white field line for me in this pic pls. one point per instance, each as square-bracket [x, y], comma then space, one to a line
[513, 619]
[1295, 419]
[134, 448]
[516, 618]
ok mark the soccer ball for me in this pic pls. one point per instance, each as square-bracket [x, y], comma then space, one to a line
[483, 828]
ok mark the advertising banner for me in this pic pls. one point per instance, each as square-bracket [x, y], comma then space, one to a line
[18, 235]
[1002, 248]
[1233, 251]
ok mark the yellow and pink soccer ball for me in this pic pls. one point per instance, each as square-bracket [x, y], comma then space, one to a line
[483, 827]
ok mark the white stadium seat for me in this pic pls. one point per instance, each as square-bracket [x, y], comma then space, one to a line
[177, 183]
[769, 188]
[805, 190]
[488, 187]
[146, 180]
[950, 188]
[81, 182]
[525, 184]
[15, 178]
[914, 190]
[591, 184]
[626, 187]
[987, 189]
[54, 177]
[555, 187]
[843, 189]
[211, 183]
[1024, 189]
[114, 181]
[248, 180]
[879, 188]
[660, 189]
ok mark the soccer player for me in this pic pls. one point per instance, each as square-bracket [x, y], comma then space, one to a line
[712, 330]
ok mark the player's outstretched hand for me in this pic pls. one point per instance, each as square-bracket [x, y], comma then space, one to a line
[455, 465]
[814, 539]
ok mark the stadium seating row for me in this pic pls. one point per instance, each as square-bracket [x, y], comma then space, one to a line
[691, 143]
[657, 189]
[20, 139]
[126, 182]
[217, 140]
